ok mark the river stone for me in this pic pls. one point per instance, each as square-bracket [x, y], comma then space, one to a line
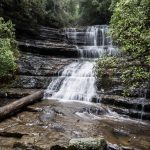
[88, 144]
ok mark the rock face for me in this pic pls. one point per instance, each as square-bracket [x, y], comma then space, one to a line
[133, 107]
[44, 53]
[37, 71]
[88, 144]
[38, 65]
[45, 41]
[47, 48]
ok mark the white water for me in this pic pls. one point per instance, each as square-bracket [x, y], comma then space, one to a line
[77, 81]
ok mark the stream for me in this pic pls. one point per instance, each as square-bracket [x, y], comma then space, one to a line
[68, 111]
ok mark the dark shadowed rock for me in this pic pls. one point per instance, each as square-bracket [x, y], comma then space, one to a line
[47, 48]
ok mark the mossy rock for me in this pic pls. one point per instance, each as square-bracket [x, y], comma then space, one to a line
[87, 144]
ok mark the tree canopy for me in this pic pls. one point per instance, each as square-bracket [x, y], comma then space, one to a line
[54, 13]
[95, 12]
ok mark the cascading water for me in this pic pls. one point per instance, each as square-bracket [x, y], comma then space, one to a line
[77, 81]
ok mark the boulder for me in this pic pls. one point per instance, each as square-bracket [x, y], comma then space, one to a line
[88, 144]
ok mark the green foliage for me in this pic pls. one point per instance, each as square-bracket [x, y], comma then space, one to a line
[105, 66]
[95, 12]
[134, 77]
[23, 10]
[130, 73]
[72, 9]
[56, 13]
[113, 4]
[106, 69]
[8, 48]
[130, 28]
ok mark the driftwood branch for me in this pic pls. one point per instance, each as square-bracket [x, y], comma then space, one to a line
[16, 106]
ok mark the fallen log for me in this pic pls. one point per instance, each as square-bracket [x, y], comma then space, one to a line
[16, 106]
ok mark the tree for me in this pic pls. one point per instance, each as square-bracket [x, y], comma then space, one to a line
[54, 13]
[95, 12]
[8, 49]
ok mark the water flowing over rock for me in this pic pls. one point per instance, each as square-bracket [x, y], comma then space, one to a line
[92, 42]
[77, 81]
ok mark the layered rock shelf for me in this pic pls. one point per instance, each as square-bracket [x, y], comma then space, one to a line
[47, 48]
[134, 107]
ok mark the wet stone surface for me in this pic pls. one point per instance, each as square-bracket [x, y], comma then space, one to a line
[56, 123]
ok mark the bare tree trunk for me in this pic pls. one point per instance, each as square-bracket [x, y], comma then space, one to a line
[16, 106]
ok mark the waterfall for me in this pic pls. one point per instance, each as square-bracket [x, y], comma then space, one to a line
[77, 81]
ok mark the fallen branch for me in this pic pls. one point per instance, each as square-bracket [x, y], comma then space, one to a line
[16, 106]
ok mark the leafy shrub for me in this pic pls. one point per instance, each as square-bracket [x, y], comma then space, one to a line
[130, 29]
[8, 49]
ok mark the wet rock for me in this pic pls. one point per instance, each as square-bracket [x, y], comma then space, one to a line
[17, 93]
[57, 147]
[128, 148]
[37, 65]
[113, 147]
[88, 144]
[11, 134]
[29, 146]
[96, 99]
[148, 94]
[26, 31]
[139, 104]
[116, 147]
[30, 82]
[131, 113]
[94, 110]
[120, 133]
[118, 90]
[48, 115]
[47, 48]
[36, 71]
[58, 128]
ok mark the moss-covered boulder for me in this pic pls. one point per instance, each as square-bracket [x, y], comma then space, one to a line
[87, 144]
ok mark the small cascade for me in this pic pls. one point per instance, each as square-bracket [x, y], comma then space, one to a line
[77, 81]
[98, 43]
